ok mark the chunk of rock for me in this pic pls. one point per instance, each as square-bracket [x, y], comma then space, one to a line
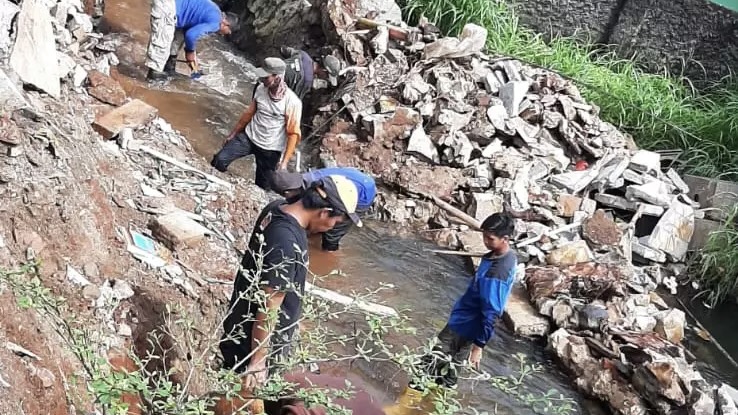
[35, 47]
[10, 93]
[485, 204]
[421, 144]
[600, 230]
[512, 94]
[647, 252]
[571, 254]
[497, 115]
[133, 114]
[176, 230]
[46, 376]
[521, 317]
[568, 204]
[645, 161]
[670, 325]
[105, 88]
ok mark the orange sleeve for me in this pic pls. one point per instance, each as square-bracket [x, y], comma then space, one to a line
[293, 118]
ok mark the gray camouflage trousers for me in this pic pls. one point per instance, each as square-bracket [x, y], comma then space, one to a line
[165, 39]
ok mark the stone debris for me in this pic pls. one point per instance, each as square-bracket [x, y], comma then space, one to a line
[133, 114]
[35, 48]
[527, 143]
[176, 230]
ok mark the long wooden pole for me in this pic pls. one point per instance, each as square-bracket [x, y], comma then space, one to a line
[184, 166]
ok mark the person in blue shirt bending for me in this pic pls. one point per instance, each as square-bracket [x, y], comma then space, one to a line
[291, 185]
[174, 22]
[472, 321]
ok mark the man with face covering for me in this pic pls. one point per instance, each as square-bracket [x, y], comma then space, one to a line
[269, 129]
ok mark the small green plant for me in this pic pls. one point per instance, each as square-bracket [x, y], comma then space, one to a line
[716, 266]
[176, 374]
[660, 111]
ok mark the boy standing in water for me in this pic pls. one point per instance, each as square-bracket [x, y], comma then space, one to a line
[472, 321]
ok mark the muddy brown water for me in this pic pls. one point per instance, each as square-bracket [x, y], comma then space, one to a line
[425, 284]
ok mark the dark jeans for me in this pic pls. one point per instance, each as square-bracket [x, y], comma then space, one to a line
[332, 238]
[441, 364]
[241, 146]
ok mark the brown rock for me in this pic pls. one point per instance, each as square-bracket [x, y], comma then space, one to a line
[568, 204]
[131, 115]
[105, 88]
[28, 238]
[601, 230]
[574, 253]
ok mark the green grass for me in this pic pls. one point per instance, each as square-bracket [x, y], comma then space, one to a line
[661, 112]
[717, 268]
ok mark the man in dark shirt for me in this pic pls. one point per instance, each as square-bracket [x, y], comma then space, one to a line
[472, 321]
[266, 303]
[301, 70]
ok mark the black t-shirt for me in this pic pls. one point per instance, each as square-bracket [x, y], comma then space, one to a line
[278, 258]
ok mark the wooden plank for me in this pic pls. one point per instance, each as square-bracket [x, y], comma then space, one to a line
[133, 114]
[184, 166]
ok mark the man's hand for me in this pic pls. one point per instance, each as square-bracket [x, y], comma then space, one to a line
[191, 57]
[230, 137]
[256, 375]
[475, 357]
[283, 164]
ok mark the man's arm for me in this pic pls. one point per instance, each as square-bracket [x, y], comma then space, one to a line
[293, 118]
[264, 327]
[244, 120]
[194, 33]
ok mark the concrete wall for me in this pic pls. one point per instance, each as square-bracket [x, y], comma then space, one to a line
[695, 37]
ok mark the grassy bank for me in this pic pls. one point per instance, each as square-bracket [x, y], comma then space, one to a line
[661, 112]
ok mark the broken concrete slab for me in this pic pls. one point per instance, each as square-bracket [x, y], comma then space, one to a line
[35, 47]
[625, 204]
[512, 94]
[647, 252]
[673, 231]
[645, 161]
[453, 120]
[133, 114]
[176, 230]
[106, 89]
[571, 254]
[522, 318]
[574, 181]
[421, 144]
[655, 192]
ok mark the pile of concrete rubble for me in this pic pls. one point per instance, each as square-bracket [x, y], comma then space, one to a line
[599, 223]
[60, 38]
